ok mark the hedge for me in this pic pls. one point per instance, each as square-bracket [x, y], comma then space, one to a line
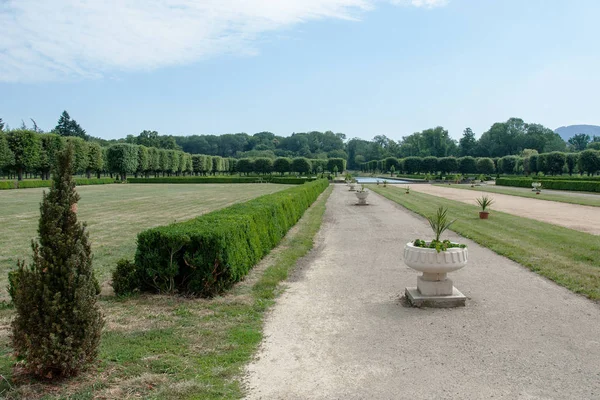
[37, 183]
[208, 254]
[223, 179]
[577, 185]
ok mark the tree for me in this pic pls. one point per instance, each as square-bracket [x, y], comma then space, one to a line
[95, 160]
[263, 165]
[413, 165]
[448, 165]
[7, 157]
[143, 160]
[467, 165]
[51, 145]
[526, 155]
[123, 159]
[340, 163]
[1, 125]
[301, 165]
[571, 162]
[556, 162]
[25, 146]
[508, 164]
[485, 166]
[467, 144]
[81, 150]
[430, 165]
[69, 127]
[579, 142]
[58, 324]
[589, 162]
[244, 166]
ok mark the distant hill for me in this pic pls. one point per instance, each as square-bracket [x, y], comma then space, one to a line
[567, 132]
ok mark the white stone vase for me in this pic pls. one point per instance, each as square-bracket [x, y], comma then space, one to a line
[433, 287]
[352, 185]
[362, 197]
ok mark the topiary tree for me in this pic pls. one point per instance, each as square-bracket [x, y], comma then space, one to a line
[57, 327]
[26, 147]
[429, 164]
[542, 163]
[51, 145]
[413, 164]
[123, 159]
[340, 163]
[7, 157]
[556, 162]
[571, 162]
[447, 165]
[245, 166]
[282, 165]
[263, 165]
[589, 162]
[301, 165]
[485, 166]
[507, 164]
[143, 161]
[467, 165]
[95, 160]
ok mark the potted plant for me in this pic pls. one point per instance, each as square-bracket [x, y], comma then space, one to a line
[435, 259]
[362, 195]
[384, 183]
[484, 202]
[352, 185]
[407, 190]
[537, 187]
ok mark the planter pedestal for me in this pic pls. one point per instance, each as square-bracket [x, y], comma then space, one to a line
[362, 198]
[434, 289]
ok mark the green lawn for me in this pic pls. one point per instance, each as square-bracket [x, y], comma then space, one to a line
[586, 199]
[167, 347]
[569, 258]
[114, 214]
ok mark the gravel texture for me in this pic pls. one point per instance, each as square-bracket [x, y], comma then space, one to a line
[342, 331]
[573, 216]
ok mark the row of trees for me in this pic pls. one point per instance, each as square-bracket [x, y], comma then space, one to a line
[529, 162]
[25, 151]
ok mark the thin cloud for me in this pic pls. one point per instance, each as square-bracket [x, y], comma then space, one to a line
[44, 40]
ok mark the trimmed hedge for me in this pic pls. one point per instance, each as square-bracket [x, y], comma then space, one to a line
[208, 254]
[37, 183]
[5, 185]
[290, 180]
[197, 179]
[577, 185]
[223, 179]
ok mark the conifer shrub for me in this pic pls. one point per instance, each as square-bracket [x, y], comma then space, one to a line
[206, 255]
[57, 327]
[125, 279]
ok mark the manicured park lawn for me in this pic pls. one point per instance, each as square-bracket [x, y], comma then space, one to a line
[114, 214]
[568, 257]
[169, 347]
[582, 198]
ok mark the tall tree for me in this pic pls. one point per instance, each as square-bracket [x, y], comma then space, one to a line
[1, 125]
[69, 127]
[467, 143]
[58, 324]
[579, 142]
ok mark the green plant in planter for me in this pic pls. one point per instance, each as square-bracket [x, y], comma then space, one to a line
[485, 202]
[384, 183]
[362, 189]
[407, 190]
[439, 223]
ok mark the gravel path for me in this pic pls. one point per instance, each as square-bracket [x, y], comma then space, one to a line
[340, 330]
[573, 216]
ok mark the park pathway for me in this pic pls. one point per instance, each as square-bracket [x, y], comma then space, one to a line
[573, 216]
[340, 331]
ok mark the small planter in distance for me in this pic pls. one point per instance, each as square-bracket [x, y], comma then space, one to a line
[384, 183]
[352, 185]
[407, 190]
[484, 202]
[362, 195]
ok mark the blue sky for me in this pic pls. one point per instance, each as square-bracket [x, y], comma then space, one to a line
[361, 67]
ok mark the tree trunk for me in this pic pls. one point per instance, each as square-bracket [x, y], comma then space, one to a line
[20, 174]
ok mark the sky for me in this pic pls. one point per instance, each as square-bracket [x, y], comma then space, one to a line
[360, 67]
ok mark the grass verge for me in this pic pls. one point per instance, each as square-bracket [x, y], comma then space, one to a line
[161, 347]
[584, 199]
[569, 258]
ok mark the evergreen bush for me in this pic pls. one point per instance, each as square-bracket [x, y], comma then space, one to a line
[57, 327]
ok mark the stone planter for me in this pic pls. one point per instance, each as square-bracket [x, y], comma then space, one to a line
[434, 289]
[352, 187]
[362, 197]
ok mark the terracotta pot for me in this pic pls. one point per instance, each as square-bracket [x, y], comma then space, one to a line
[483, 214]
